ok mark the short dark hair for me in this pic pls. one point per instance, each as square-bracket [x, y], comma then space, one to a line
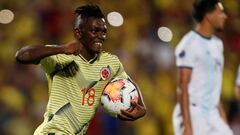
[89, 11]
[202, 7]
[85, 12]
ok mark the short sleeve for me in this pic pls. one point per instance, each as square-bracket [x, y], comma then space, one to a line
[121, 72]
[238, 77]
[48, 64]
[184, 57]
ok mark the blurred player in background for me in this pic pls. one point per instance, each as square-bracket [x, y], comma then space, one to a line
[200, 62]
[77, 72]
[238, 84]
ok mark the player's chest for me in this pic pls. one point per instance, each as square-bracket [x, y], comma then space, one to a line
[209, 56]
[96, 71]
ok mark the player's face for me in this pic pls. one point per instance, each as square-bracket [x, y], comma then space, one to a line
[217, 17]
[93, 34]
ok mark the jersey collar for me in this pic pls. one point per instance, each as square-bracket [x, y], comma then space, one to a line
[91, 60]
[205, 37]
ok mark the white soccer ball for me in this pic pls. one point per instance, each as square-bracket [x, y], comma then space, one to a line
[118, 95]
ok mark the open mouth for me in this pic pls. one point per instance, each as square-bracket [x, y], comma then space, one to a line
[98, 44]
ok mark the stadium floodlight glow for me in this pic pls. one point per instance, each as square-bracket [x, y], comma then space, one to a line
[115, 19]
[165, 34]
[6, 16]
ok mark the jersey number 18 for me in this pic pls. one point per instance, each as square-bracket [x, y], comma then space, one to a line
[90, 96]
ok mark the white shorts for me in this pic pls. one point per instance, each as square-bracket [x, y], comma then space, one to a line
[203, 123]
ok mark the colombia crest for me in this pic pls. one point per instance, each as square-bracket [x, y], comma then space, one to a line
[105, 73]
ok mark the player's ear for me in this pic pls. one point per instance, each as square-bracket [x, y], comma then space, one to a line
[77, 33]
[208, 17]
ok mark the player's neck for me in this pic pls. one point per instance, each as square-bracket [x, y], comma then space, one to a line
[204, 29]
[86, 55]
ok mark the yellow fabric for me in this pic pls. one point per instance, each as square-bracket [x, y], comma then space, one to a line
[75, 88]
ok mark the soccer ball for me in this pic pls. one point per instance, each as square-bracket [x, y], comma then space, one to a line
[118, 95]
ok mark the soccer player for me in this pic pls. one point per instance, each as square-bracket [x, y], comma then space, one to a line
[238, 84]
[77, 72]
[199, 58]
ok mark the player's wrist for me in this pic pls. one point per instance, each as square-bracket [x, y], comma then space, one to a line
[65, 49]
[188, 126]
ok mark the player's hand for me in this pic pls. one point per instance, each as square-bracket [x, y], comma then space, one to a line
[73, 48]
[187, 131]
[135, 112]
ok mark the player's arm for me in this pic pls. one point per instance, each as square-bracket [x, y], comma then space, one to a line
[222, 113]
[237, 91]
[137, 110]
[33, 54]
[184, 79]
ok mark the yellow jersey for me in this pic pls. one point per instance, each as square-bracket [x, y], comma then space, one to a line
[75, 88]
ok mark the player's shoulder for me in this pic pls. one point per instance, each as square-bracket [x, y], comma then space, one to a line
[187, 42]
[108, 56]
[217, 40]
[63, 57]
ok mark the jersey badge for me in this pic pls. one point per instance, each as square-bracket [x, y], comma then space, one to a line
[182, 54]
[105, 73]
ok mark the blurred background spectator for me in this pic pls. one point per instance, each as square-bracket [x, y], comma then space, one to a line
[147, 58]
